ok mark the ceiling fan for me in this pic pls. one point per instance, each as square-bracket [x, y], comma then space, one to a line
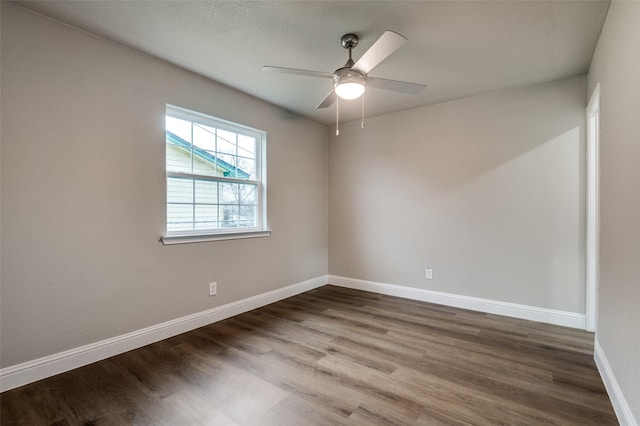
[351, 80]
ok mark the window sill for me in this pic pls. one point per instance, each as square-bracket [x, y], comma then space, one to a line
[203, 238]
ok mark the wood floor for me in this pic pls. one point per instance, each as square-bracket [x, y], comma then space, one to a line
[335, 356]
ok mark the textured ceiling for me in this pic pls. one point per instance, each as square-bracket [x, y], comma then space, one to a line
[457, 48]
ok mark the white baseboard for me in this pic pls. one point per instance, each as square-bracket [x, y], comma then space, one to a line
[533, 313]
[31, 371]
[619, 402]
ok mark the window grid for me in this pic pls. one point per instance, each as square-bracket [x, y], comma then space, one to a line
[236, 202]
[241, 204]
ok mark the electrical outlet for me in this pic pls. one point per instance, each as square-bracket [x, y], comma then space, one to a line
[428, 273]
[213, 288]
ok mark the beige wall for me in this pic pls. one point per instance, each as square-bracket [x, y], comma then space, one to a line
[83, 192]
[488, 191]
[616, 66]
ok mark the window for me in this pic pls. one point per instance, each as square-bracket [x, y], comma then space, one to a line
[215, 178]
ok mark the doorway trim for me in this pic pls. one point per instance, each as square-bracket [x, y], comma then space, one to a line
[593, 210]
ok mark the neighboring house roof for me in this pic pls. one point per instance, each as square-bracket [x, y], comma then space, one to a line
[229, 170]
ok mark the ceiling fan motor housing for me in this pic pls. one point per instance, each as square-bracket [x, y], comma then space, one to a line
[347, 78]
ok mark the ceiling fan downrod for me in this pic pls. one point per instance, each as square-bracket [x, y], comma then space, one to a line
[348, 82]
[349, 41]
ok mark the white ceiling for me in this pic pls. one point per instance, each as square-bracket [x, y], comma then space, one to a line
[458, 48]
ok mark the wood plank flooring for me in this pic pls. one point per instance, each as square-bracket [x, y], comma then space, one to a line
[335, 356]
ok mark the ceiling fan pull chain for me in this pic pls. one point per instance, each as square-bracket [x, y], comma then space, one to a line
[337, 115]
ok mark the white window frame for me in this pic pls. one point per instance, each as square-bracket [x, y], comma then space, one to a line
[261, 229]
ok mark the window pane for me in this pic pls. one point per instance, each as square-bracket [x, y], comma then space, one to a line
[206, 217]
[246, 194]
[178, 158]
[179, 217]
[247, 216]
[204, 137]
[180, 128]
[179, 190]
[179, 226]
[228, 164]
[226, 142]
[237, 193]
[229, 193]
[204, 163]
[246, 146]
[206, 192]
[246, 168]
[230, 216]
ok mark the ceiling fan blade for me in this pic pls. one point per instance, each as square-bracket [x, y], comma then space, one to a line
[396, 86]
[296, 71]
[328, 100]
[388, 43]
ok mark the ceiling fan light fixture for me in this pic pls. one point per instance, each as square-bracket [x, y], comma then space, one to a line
[349, 90]
[349, 83]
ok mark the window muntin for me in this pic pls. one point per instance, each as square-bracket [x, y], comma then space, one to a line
[215, 175]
